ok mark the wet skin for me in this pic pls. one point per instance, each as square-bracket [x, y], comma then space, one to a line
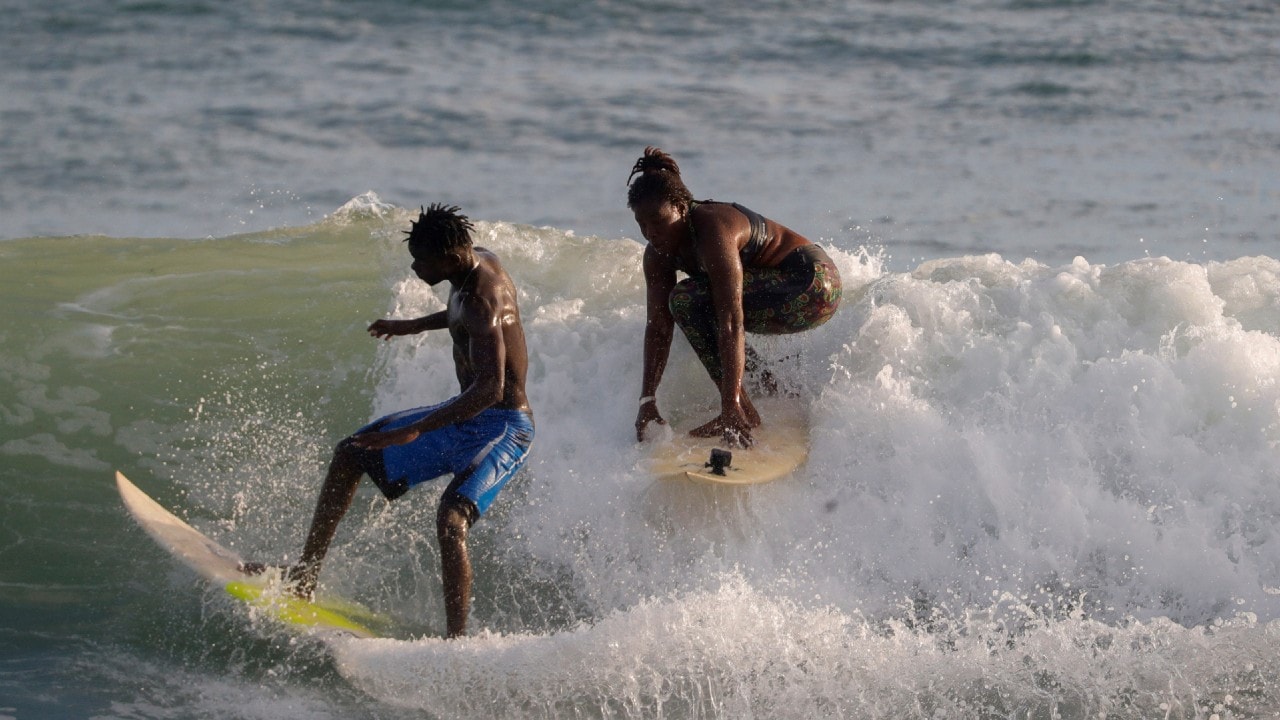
[721, 233]
[491, 363]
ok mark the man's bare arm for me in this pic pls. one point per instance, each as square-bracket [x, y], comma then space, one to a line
[386, 329]
[486, 354]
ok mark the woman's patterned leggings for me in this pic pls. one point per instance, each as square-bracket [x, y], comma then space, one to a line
[801, 293]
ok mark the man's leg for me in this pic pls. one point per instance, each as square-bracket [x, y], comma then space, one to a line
[453, 519]
[335, 498]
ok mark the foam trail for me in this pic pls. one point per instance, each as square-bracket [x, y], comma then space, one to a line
[738, 653]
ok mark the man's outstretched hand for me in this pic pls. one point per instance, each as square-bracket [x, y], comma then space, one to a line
[387, 329]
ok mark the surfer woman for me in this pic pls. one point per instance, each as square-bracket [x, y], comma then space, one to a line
[746, 273]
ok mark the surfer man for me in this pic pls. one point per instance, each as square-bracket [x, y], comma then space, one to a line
[481, 436]
[745, 274]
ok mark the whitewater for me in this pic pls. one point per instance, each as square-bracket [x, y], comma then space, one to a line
[1032, 490]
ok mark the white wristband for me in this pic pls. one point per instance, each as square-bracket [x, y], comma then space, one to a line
[648, 399]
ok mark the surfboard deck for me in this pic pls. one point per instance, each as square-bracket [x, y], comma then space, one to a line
[781, 446]
[220, 567]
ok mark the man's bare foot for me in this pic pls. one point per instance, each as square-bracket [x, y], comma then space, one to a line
[297, 580]
[301, 580]
[257, 568]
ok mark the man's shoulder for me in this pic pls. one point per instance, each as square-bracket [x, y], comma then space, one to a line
[490, 258]
[490, 293]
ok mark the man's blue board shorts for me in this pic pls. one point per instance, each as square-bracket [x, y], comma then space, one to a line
[482, 453]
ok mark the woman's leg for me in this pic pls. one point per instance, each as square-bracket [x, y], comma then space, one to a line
[802, 293]
[793, 297]
[694, 312]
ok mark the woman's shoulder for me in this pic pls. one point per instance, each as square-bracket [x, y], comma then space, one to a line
[715, 217]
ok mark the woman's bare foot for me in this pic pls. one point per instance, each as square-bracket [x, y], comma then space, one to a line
[735, 433]
[753, 417]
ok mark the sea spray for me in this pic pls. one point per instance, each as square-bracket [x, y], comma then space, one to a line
[735, 652]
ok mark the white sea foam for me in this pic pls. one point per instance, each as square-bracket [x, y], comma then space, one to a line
[734, 652]
[980, 426]
[1068, 452]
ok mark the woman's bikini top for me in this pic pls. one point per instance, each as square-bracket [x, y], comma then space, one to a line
[755, 244]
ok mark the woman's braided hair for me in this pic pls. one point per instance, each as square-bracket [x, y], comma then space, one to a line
[659, 180]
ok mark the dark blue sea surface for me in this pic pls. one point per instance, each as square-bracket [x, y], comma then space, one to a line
[1044, 129]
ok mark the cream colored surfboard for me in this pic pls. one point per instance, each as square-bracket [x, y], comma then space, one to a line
[781, 446]
[221, 567]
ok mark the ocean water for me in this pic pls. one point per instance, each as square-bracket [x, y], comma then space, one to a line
[1044, 477]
